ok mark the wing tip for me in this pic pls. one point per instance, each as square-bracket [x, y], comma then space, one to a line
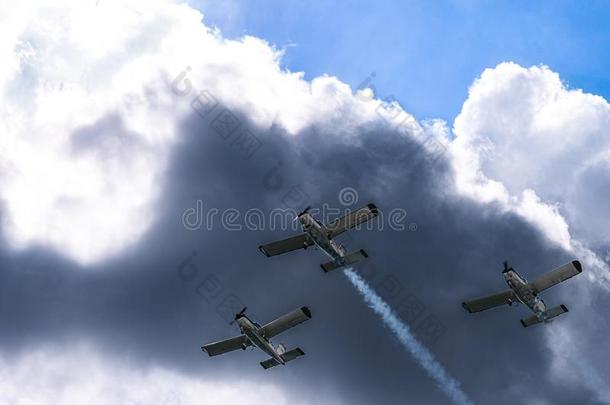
[577, 265]
[465, 306]
[373, 208]
[363, 252]
[203, 349]
[565, 309]
[300, 351]
[261, 248]
[523, 323]
[306, 311]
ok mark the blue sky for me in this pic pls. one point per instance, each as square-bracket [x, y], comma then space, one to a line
[426, 54]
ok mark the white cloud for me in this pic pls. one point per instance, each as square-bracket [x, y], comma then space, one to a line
[87, 122]
[89, 117]
[540, 149]
[522, 127]
[536, 148]
[78, 374]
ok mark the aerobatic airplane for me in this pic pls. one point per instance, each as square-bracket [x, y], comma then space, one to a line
[255, 335]
[527, 293]
[322, 236]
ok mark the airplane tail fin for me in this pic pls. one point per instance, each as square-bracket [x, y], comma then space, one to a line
[288, 356]
[348, 259]
[550, 314]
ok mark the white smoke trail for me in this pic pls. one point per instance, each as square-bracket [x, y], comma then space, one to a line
[423, 356]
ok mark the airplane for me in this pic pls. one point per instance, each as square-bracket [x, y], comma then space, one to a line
[322, 236]
[255, 335]
[527, 293]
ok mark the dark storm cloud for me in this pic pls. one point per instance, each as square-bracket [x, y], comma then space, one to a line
[161, 300]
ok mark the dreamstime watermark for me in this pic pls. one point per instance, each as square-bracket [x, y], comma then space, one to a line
[348, 196]
[282, 219]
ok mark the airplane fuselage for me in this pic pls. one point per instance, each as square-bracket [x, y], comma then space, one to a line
[525, 293]
[253, 333]
[321, 237]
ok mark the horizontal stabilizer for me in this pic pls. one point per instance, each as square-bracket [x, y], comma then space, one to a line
[532, 320]
[293, 354]
[269, 363]
[346, 260]
[550, 314]
[288, 356]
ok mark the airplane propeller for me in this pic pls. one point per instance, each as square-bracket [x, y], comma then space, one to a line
[238, 315]
[506, 268]
[303, 212]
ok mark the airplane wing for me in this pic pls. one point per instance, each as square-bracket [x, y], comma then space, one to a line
[286, 322]
[556, 276]
[227, 345]
[490, 301]
[286, 245]
[351, 220]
